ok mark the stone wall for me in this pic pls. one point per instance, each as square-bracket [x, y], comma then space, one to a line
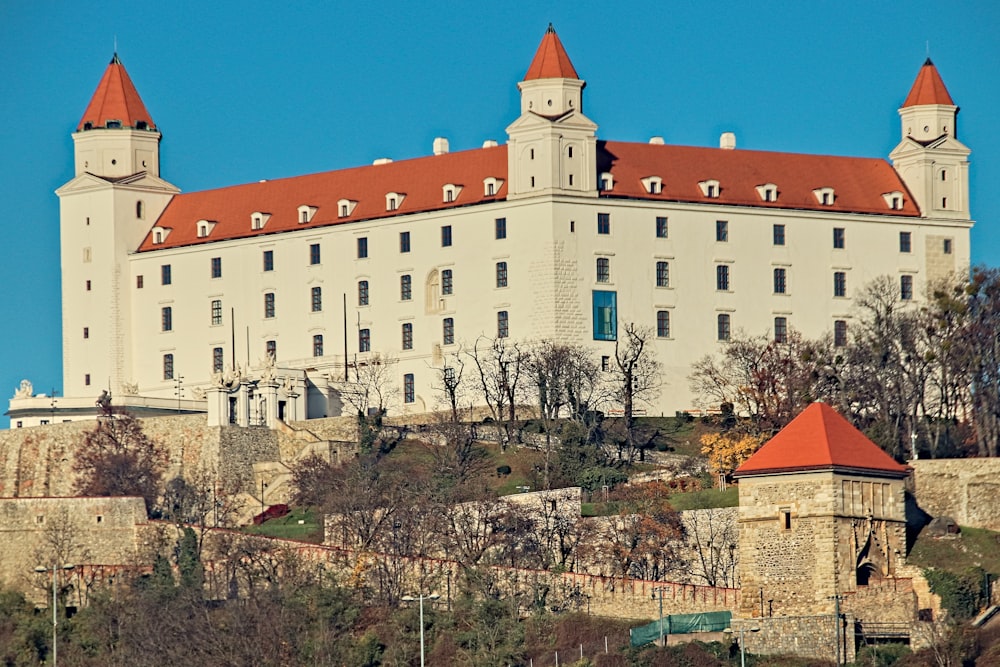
[964, 489]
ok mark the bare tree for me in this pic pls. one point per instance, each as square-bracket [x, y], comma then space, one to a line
[501, 366]
[713, 541]
[982, 356]
[638, 377]
[448, 384]
[370, 393]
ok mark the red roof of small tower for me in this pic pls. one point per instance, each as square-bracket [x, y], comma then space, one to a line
[551, 61]
[820, 439]
[116, 99]
[928, 88]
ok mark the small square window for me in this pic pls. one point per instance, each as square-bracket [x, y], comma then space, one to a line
[501, 274]
[778, 234]
[445, 236]
[407, 335]
[448, 331]
[501, 228]
[905, 241]
[502, 324]
[268, 260]
[603, 223]
[724, 326]
[365, 340]
[404, 242]
[362, 247]
[362, 292]
[216, 267]
[318, 345]
[661, 228]
[722, 231]
[314, 254]
[838, 238]
[447, 283]
[405, 287]
[408, 389]
[165, 274]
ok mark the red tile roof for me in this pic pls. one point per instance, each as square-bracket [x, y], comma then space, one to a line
[928, 88]
[551, 61]
[820, 439]
[858, 185]
[116, 99]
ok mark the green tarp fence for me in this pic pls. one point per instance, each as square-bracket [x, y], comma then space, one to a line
[679, 624]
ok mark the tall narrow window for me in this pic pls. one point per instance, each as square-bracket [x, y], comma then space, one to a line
[268, 260]
[838, 238]
[445, 236]
[165, 274]
[780, 285]
[722, 231]
[603, 270]
[724, 325]
[661, 228]
[502, 324]
[663, 274]
[839, 333]
[780, 330]
[269, 304]
[217, 360]
[365, 340]
[404, 242]
[447, 284]
[141, 213]
[906, 287]
[448, 331]
[88, 286]
[501, 228]
[722, 277]
[317, 299]
[86, 332]
[216, 267]
[271, 349]
[778, 234]
[839, 283]
[216, 312]
[501, 274]
[405, 287]
[603, 223]
[408, 390]
[407, 335]
[168, 367]
[138, 282]
[605, 311]
[362, 247]
[663, 324]
[946, 247]
[166, 318]
[318, 345]
[362, 292]
[904, 242]
[314, 253]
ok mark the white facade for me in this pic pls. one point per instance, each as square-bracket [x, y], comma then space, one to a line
[825, 226]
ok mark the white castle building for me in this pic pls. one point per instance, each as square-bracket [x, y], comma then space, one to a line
[555, 235]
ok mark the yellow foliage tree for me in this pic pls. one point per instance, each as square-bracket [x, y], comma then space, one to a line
[726, 452]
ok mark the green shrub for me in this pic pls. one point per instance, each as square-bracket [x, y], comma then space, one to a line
[961, 594]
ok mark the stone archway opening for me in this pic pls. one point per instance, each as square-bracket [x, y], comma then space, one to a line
[868, 573]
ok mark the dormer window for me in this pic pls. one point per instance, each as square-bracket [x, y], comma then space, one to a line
[113, 124]
[205, 228]
[393, 200]
[894, 200]
[306, 213]
[450, 192]
[653, 184]
[824, 196]
[160, 233]
[607, 182]
[768, 192]
[491, 186]
[345, 207]
[710, 188]
[258, 219]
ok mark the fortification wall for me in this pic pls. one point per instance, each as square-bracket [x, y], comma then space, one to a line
[964, 489]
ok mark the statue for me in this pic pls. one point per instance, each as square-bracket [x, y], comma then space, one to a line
[267, 372]
[104, 400]
[198, 393]
[130, 388]
[25, 391]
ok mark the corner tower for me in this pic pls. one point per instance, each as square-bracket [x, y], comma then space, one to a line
[104, 213]
[552, 146]
[932, 162]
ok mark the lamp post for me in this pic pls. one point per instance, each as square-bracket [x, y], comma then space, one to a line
[421, 597]
[55, 619]
[660, 589]
[743, 651]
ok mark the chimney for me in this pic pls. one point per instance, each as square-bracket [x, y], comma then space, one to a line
[440, 145]
[727, 141]
[656, 141]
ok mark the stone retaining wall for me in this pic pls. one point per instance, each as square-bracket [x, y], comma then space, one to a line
[964, 489]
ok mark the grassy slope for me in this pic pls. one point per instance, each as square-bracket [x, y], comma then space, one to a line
[974, 546]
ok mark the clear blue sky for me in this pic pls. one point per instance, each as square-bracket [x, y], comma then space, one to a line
[250, 90]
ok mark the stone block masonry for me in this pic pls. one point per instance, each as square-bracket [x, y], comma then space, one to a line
[964, 489]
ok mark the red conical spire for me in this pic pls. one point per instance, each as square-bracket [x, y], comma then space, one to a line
[116, 99]
[928, 88]
[551, 61]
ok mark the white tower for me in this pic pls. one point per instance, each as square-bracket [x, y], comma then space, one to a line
[552, 147]
[105, 212]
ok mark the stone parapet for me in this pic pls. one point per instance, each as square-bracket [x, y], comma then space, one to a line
[963, 489]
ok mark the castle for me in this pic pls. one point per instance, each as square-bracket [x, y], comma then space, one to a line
[555, 234]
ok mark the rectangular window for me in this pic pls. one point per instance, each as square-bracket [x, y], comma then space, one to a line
[362, 247]
[446, 282]
[663, 324]
[780, 330]
[362, 292]
[269, 304]
[88, 285]
[269, 260]
[722, 277]
[216, 312]
[404, 242]
[906, 288]
[365, 340]
[86, 332]
[605, 306]
[501, 274]
[407, 335]
[838, 238]
[448, 331]
[661, 228]
[722, 231]
[168, 367]
[166, 318]
[408, 390]
[405, 287]
[138, 282]
[165, 274]
[86, 379]
[502, 324]
[216, 267]
[217, 360]
[603, 223]
[603, 270]
[317, 299]
[605, 363]
[946, 247]
[501, 228]
[904, 241]
[663, 274]
[839, 283]
[314, 253]
[780, 284]
[318, 345]
[839, 333]
[271, 349]
[778, 234]
[724, 326]
[445, 236]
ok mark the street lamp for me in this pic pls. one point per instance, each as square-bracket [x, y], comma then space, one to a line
[660, 589]
[421, 597]
[743, 651]
[55, 619]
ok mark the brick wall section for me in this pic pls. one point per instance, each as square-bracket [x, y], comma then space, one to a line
[964, 489]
